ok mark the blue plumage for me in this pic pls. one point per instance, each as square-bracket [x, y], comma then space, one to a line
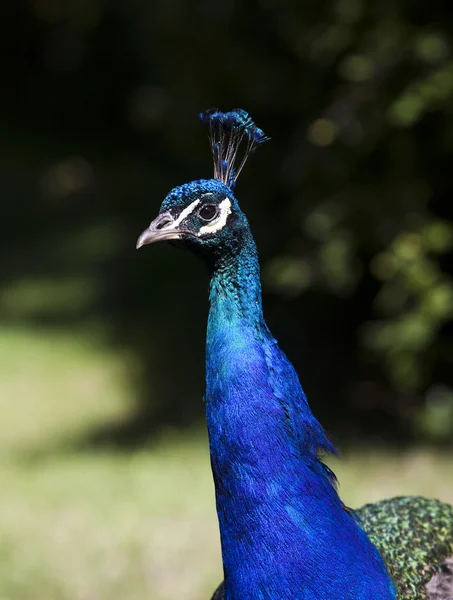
[285, 533]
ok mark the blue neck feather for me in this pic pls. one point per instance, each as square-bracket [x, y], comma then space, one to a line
[285, 533]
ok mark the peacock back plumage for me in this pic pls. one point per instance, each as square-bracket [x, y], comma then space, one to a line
[414, 536]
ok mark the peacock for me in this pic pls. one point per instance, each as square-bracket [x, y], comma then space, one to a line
[285, 533]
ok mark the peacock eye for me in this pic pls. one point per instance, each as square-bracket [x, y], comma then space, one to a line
[207, 212]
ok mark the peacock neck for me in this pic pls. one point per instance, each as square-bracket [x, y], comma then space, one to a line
[235, 286]
[285, 533]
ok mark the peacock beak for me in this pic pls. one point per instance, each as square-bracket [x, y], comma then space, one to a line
[164, 227]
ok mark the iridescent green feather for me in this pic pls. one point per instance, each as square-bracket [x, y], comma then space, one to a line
[413, 535]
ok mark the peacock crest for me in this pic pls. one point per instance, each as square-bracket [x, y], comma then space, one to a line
[233, 137]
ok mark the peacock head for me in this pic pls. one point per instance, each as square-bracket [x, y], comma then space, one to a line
[204, 215]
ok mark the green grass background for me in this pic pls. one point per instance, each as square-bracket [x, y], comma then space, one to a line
[80, 523]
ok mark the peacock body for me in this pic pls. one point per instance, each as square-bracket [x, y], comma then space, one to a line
[285, 533]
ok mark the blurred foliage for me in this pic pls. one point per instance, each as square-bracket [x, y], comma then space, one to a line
[350, 203]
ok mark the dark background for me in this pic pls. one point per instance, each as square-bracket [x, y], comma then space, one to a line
[350, 202]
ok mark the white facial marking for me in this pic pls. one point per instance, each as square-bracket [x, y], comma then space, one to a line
[186, 212]
[213, 227]
[183, 214]
[220, 222]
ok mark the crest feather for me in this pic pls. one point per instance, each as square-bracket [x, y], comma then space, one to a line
[228, 131]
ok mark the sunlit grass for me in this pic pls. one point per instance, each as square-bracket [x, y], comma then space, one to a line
[109, 525]
[55, 387]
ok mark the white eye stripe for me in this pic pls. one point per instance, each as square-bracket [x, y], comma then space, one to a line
[213, 227]
[220, 222]
[186, 212]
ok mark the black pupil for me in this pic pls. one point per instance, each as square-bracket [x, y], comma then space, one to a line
[208, 212]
